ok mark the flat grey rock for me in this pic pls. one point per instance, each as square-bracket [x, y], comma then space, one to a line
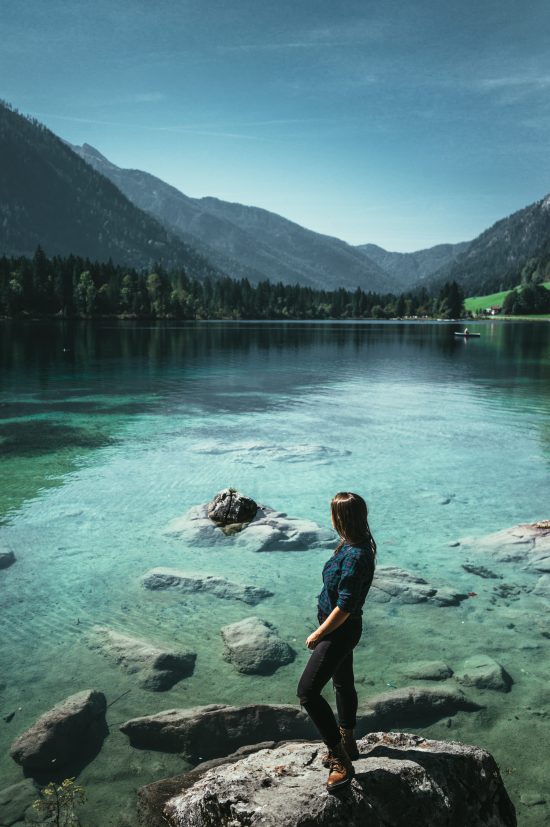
[254, 647]
[270, 530]
[63, 733]
[484, 672]
[7, 558]
[15, 801]
[401, 781]
[526, 544]
[160, 578]
[217, 729]
[412, 706]
[156, 667]
[394, 584]
[426, 670]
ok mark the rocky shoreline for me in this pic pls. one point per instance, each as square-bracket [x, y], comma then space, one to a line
[70, 735]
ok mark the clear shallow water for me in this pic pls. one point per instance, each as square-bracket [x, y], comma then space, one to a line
[110, 431]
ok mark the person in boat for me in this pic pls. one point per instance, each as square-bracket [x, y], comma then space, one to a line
[347, 578]
[466, 332]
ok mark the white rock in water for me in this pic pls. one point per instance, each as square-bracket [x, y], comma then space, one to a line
[270, 530]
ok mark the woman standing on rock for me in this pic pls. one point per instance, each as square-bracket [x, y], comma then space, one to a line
[347, 577]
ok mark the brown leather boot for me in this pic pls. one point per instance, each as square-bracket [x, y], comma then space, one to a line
[349, 743]
[341, 769]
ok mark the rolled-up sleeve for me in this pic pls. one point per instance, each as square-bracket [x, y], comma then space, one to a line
[351, 583]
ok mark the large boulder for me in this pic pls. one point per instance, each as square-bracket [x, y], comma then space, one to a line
[217, 729]
[483, 672]
[401, 781]
[160, 578]
[64, 733]
[231, 508]
[254, 647]
[270, 530]
[157, 667]
[394, 584]
[412, 706]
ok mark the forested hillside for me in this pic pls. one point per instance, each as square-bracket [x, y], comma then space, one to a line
[515, 249]
[74, 287]
[50, 197]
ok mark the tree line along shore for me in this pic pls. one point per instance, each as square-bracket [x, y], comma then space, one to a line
[75, 287]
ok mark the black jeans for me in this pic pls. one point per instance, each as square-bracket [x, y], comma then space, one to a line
[332, 658]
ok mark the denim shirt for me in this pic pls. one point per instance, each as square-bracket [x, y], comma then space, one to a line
[347, 578]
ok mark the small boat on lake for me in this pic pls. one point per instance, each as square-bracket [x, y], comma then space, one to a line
[466, 334]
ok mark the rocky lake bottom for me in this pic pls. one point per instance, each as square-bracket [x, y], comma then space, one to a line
[108, 447]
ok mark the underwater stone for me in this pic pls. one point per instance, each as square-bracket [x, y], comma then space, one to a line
[164, 578]
[481, 571]
[443, 783]
[217, 729]
[528, 543]
[484, 672]
[412, 706]
[7, 558]
[254, 647]
[15, 800]
[270, 530]
[62, 733]
[426, 670]
[393, 583]
[158, 668]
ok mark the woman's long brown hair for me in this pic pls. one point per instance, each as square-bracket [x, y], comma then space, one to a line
[350, 517]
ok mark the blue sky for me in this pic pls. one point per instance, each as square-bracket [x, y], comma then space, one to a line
[404, 124]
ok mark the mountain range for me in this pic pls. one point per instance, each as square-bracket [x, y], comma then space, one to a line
[247, 241]
[72, 199]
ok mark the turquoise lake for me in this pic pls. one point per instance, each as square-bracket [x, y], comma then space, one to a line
[109, 431]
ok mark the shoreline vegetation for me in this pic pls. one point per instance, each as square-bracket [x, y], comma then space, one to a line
[74, 288]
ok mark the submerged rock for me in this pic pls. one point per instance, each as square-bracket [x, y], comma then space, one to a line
[230, 507]
[254, 647]
[481, 571]
[7, 558]
[192, 583]
[412, 706]
[158, 668]
[528, 544]
[426, 670]
[393, 583]
[484, 672]
[270, 530]
[63, 733]
[217, 729]
[401, 781]
[15, 801]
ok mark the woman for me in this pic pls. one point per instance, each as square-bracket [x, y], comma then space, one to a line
[347, 577]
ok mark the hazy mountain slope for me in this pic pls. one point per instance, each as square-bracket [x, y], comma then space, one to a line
[494, 260]
[247, 240]
[410, 268]
[49, 196]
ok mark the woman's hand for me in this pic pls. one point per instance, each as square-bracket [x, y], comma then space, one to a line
[313, 640]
